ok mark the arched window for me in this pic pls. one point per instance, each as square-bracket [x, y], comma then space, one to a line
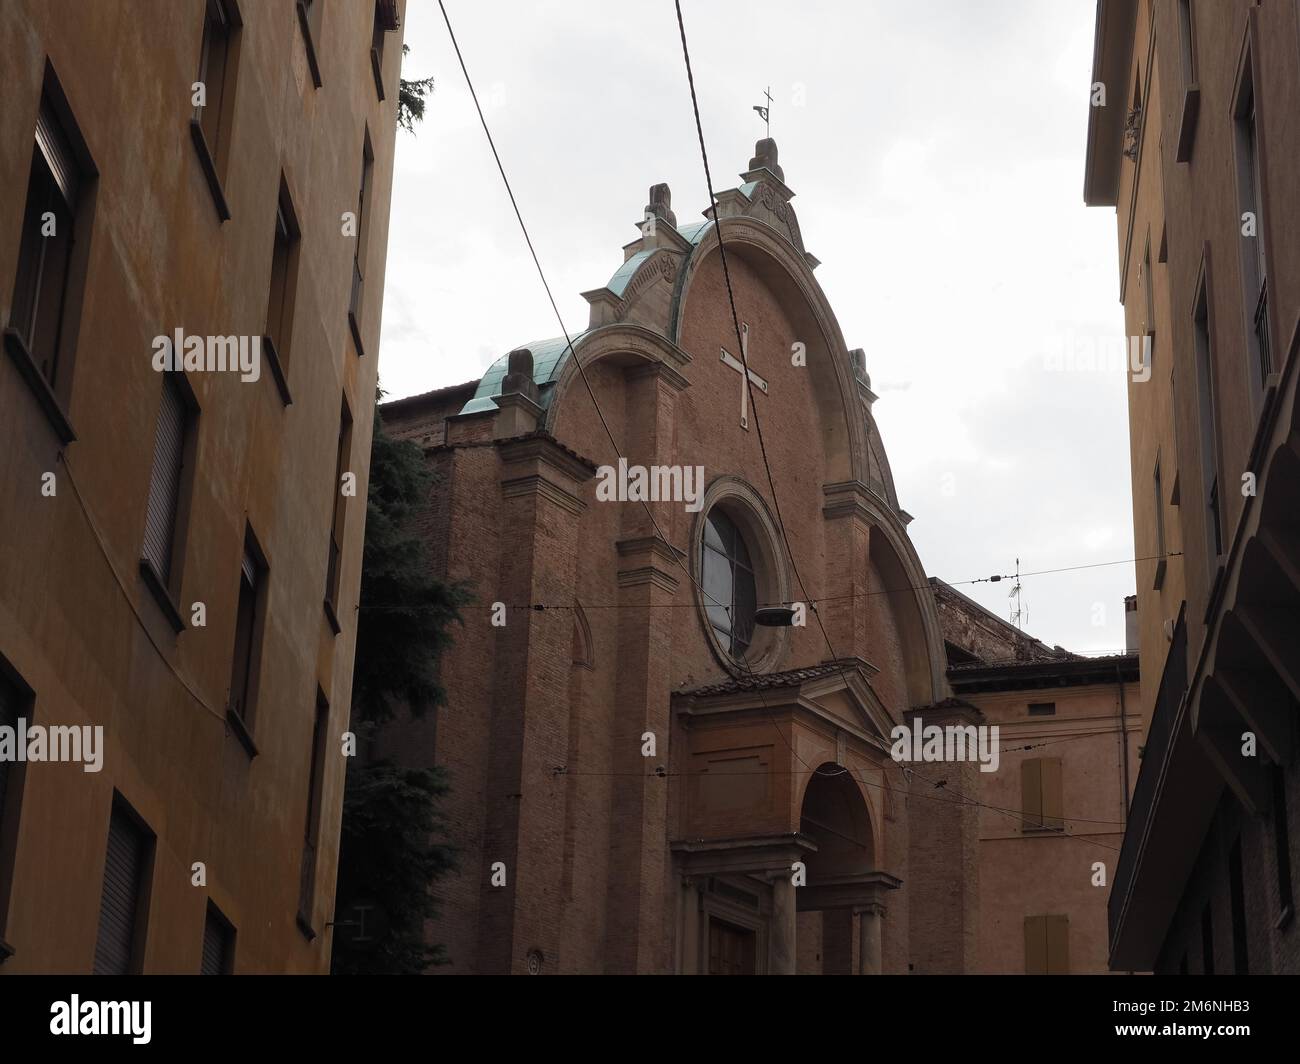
[728, 579]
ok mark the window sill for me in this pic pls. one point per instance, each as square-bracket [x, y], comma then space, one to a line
[1187, 123]
[355, 326]
[378, 70]
[304, 925]
[242, 733]
[209, 167]
[305, 25]
[332, 617]
[39, 386]
[1030, 830]
[277, 371]
[162, 596]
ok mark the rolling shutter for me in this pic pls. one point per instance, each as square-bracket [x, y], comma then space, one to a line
[57, 152]
[216, 945]
[165, 480]
[120, 901]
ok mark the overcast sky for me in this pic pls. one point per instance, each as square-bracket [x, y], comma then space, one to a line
[937, 153]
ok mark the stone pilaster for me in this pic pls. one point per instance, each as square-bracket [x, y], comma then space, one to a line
[524, 798]
[638, 916]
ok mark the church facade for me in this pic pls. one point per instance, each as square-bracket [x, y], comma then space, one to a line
[644, 779]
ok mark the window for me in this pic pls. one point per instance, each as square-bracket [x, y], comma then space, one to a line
[1187, 42]
[1133, 120]
[122, 907]
[15, 702]
[218, 944]
[1149, 293]
[377, 47]
[1042, 709]
[1208, 421]
[309, 21]
[45, 309]
[284, 286]
[1250, 202]
[363, 236]
[163, 528]
[214, 115]
[1281, 841]
[1157, 486]
[248, 634]
[728, 581]
[1040, 794]
[1047, 945]
[311, 834]
[1207, 941]
[338, 514]
[1237, 888]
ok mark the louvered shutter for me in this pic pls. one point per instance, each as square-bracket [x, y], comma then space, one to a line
[216, 946]
[120, 900]
[57, 152]
[165, 480]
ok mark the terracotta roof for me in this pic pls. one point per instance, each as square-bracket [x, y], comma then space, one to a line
[769, 680]
[450, 389]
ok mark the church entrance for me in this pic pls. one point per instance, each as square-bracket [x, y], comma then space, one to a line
[731, 949]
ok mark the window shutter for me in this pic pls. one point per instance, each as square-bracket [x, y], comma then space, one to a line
[1035, 945]
[216, 945]
[1058, 944]
[120, 900]
[165, 480]
[1050, 775]
[1031, 793]
[57, 152]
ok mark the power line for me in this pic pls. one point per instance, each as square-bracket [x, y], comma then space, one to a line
[539, 606]
[578, 361]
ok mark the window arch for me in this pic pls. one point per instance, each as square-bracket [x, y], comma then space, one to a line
[737, 565]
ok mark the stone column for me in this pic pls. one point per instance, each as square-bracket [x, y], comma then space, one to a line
[781, 941]
[869, 939]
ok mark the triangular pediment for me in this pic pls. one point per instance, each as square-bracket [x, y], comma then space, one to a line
[838, 693]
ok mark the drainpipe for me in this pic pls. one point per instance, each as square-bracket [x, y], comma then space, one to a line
[1123, 741]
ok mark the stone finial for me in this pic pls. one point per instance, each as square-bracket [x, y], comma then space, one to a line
[519, 375]
[765, 157]
[858, 358]
[661, 204]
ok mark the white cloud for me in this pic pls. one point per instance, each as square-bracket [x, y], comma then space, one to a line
[938, 160]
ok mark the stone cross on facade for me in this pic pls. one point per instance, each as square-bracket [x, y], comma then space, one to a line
[739, 367]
